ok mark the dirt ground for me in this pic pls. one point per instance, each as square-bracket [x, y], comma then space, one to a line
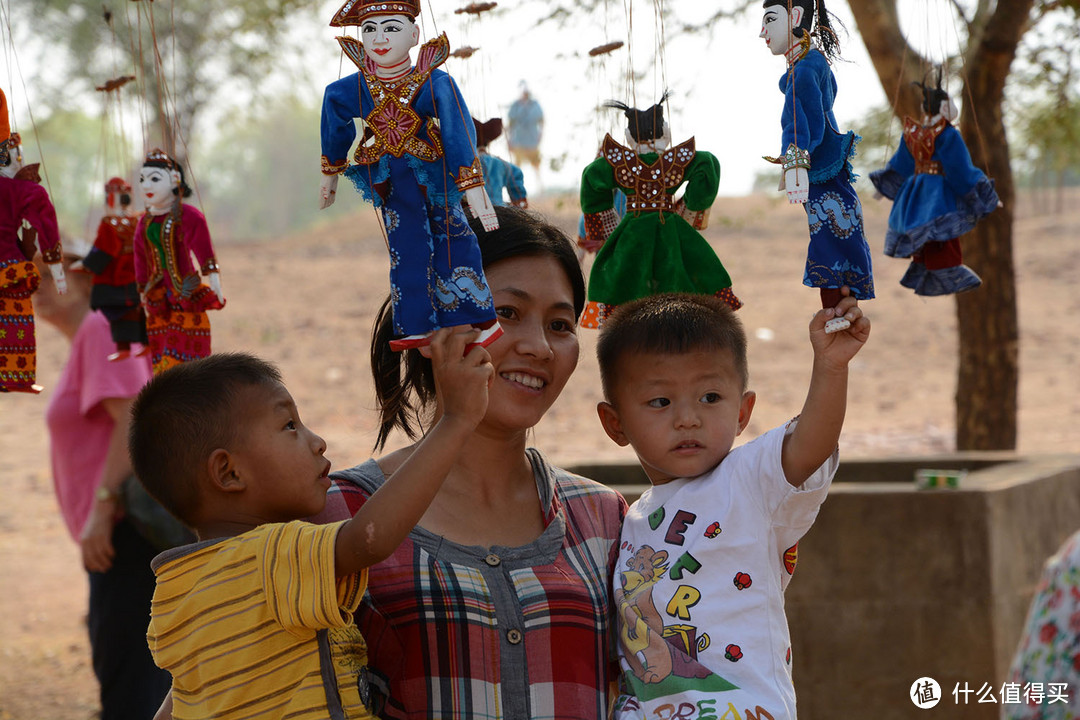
[307, 302]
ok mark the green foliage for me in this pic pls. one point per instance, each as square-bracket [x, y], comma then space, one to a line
[197, 41]
[261, 177]
[72, 169]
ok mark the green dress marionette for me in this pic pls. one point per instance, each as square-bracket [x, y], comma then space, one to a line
[656, 247]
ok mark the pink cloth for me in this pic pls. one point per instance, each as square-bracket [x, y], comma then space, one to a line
[79, 425]
[19, 200]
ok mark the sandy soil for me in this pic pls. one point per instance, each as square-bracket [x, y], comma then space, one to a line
[307, 302]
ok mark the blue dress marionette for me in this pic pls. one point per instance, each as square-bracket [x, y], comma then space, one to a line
[938, 195]
[499, 174]
[816, 155]
[416, 160]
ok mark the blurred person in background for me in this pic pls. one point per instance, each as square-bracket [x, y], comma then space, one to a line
[87, 418]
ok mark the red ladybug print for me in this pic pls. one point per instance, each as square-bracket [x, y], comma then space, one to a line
[742, 581]
[733, 653]
[713, 530]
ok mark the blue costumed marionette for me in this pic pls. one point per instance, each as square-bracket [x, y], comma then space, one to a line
[415, 161]
[938, 195]
[499, 174]
[816, 156]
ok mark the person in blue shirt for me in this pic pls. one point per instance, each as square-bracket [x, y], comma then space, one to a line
[499, 174]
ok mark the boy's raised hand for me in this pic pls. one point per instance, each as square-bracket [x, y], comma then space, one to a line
[461, 379]
[837, 348]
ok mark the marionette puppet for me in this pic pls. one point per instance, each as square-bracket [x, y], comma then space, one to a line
[938, 195]
[416, 160]
[167, 235]
[816, 156]
[112, 263]
[656, 246]
[499, 174]
[27, 222]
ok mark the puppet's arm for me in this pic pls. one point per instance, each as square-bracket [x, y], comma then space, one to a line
[341, 105]
[197, 240]
[598, 201]
[892, 177]
[459, 145]
[702, 184]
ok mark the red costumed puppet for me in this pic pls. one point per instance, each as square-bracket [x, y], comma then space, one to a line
[112, 262]
[174, 298]
[22, 199]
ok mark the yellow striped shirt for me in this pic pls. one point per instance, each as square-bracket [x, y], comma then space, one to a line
[258, 626]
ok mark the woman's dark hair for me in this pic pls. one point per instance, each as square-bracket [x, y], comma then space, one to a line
[817, 21]
[404, 383]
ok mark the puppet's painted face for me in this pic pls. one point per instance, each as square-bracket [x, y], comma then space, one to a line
[157, 186]
[11, 161]
[389, 38]
[776, 27]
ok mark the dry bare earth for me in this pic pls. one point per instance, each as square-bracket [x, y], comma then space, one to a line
[307, 302]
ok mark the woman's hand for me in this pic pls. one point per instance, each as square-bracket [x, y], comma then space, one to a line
[461, 380]
[96, 539]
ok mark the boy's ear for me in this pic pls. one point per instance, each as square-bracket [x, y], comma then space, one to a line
[609, 418]
[223, 472]
[746, 409]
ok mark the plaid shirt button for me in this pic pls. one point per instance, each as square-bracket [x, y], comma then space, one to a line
[492, 559]
[513, 636]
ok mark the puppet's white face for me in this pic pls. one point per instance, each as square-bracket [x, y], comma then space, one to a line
[157, 187]
[389, 38]
[113, 206]
[776, 27]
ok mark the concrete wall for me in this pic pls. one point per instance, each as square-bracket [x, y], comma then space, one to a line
[896, 583]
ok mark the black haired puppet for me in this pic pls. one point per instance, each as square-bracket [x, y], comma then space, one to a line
[816, 156]
[938, 195]
[656, 247]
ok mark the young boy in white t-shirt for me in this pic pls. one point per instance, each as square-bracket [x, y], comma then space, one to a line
[707, 551]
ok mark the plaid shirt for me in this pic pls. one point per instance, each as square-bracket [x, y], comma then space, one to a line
[483, 633]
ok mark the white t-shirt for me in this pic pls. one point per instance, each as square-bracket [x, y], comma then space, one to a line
[703, 565]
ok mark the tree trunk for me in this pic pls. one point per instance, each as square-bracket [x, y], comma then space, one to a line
[986, 388]
[986, 392]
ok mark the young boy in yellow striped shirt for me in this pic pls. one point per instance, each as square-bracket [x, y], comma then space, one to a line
[255, 619]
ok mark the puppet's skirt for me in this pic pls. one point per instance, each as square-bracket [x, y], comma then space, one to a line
[838, 254]
[651, 253]
[18, 358]
[178, 330]
[436, 273]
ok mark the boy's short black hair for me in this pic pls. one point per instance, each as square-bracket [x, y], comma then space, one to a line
[184, 414]
[670, 323]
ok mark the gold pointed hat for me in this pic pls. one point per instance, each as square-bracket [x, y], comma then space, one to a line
[354, 12]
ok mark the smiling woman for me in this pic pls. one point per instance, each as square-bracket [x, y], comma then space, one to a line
[503, 587]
